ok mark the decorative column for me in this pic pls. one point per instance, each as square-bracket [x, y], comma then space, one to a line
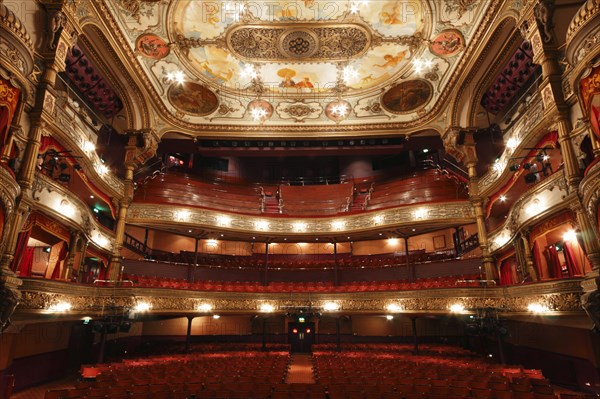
[84, 246]
[141, 146]
[538, 28]
[68, 269]
[589, 235]
[460, 143]
[595, 142]
[62, 24]
[530, 265]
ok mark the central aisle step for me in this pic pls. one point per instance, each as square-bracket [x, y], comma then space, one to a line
[301, 370]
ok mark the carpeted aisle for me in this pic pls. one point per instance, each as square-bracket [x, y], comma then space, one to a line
[301, 370]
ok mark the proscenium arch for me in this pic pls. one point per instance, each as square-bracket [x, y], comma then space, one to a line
[484, 70]
[114, 71]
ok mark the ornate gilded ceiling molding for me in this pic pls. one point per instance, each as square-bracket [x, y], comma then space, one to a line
[328, 42]
[213, 130]
[558, 296]
[132, 96]
[474, 67]
[459, 212]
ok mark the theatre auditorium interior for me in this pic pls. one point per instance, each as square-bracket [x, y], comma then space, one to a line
[306, 199]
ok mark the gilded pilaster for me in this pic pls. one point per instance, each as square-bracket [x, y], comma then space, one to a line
[530, 266]
[141, 147]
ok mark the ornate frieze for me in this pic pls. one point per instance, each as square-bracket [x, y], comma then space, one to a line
[558, 296]
[282, 43]
[451, 212]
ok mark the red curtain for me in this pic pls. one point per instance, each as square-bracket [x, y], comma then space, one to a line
[21, 246]
[506, 276]
[26, 262]
[4, 122]
[573, 266]
[102, 272]
[537, 258]
[554, 261]
[61, 257]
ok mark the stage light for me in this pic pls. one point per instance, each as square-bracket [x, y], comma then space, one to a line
[331, 306]
[457, 308]
[142, 307]
[537, 308]
[205, 307]
[570, 236]
[267, 308]
[394, 308]
[60, 307]
[389, 317]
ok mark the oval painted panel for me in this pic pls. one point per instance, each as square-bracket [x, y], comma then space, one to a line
[407, 96]
[152, 46]
[193, 98]
[447, 43]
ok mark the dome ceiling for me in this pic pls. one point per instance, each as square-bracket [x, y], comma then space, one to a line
[305, 62]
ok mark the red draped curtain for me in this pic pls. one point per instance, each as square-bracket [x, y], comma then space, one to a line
[102, 272]
[571, 252]
[22, 241]
[62, 254]
[506, 274]
[4, 123]
[26, 262]
[537, 259]
[554, 262]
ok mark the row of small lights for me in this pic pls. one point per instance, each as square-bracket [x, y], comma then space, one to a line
[299, 227]
[205, 307]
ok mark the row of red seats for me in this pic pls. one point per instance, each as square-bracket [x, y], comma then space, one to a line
[300, 261]
[254, 286]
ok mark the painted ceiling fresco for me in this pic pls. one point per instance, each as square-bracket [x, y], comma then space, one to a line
[307, 61]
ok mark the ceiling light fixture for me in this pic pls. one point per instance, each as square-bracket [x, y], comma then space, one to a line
[420, 66]
[260, 110]
[176, 77]
[349, 74]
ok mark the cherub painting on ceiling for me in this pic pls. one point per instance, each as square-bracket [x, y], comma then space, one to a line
[395, 18]
[379, 64]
